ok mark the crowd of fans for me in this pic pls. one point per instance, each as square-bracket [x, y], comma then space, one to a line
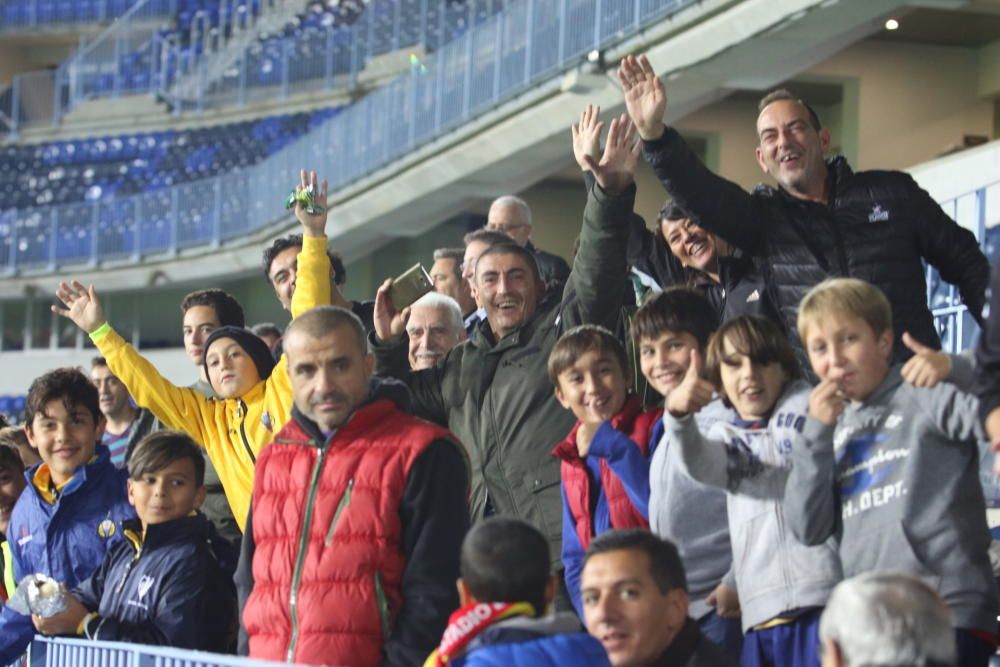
[731, 440]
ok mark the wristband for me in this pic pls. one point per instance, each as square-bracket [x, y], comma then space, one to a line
[81, 630]
[100, 332]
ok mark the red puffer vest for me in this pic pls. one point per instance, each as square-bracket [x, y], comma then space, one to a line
[328, 594]
[637, 425]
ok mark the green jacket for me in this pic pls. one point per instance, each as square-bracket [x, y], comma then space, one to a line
[496, 396]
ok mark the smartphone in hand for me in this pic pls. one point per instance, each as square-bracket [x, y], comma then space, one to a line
[409, 287]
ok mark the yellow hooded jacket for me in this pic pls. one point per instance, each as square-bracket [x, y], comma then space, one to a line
[232, 431]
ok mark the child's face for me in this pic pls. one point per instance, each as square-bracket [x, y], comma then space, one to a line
[751, 388]
[846, 349]
[665, 359]
[11, 484]
[65, 439]
[594, 387]
[230, 369]
[166, 494]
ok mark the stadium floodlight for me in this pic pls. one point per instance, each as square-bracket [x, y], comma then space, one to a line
[892, 24]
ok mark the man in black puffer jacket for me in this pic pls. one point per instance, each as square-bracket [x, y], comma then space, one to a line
[823, 221]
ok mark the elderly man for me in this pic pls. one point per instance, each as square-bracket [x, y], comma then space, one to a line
[435, 326]
[446, 274]
[512, 216]
[493, 390]
[886, 619]
[351, 550]
[635, 603]
[823, 220]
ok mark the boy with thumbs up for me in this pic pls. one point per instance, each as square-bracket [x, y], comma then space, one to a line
[890, 466]
[783, 584]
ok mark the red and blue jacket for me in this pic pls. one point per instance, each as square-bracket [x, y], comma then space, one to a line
[607, 489]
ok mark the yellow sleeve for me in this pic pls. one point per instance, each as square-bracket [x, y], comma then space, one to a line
[312, 279]
[177, 407]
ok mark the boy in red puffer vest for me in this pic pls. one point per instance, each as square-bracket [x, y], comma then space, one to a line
[605, 463]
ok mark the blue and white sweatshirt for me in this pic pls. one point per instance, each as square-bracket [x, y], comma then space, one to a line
[775, 573]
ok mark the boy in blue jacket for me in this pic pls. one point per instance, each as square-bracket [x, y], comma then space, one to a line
[504, 591]
[169, 582]
[67, 518]
[605, 468]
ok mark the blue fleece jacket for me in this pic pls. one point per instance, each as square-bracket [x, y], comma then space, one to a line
[66, 539]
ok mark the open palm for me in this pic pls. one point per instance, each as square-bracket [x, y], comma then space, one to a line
[645, 96]
[82, 305]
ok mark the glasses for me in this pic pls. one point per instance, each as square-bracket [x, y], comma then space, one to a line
[505, 228]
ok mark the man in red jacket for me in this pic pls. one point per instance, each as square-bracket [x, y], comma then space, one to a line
[350, 552]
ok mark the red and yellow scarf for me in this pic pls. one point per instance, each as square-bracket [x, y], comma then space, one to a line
[467, 622]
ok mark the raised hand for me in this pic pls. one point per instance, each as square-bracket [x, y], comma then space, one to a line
[693, 393]
[927, 366]
[82, 306]
[390, 324]
[645, 96]
[616, 170]
[826, 402]
[313, 224]
[587, 136]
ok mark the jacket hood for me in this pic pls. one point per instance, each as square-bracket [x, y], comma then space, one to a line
[527, 628]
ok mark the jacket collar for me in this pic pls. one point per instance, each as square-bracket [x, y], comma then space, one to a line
[682, 648]
[384, 396]
[185, 529]
[891, 382]
[38, 475]
[567, 451]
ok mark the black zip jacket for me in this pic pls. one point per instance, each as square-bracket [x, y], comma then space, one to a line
[173, 588]
[879, 226]
[432, 539]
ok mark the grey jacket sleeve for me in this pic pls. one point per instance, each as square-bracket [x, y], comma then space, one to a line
[954, 411]
[727, 466]
[811, 502]
[600, 274]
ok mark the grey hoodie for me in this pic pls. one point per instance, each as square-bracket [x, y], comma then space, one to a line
[774, 572]
[692, 515]
[897, 482]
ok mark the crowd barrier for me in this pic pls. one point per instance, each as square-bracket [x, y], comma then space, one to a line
[62, 652]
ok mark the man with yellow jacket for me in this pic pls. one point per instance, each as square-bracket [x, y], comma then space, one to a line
[252, 405]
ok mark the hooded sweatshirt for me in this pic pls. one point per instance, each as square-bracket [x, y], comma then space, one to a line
[232, 431]
[896, 483]
[775, 573]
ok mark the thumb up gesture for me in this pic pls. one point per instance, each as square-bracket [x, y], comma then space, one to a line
[927, 366]
[693, 393]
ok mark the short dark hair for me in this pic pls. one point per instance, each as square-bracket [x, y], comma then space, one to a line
[457, 255]
[505, 559]
[69, 385]
[582, 339]
[665, 564]
[161, 448]
[785, 94]
[490, 237]
[278, 246]
[98, 362]
[672, 211]
[321, 320]
[753, 336]
[226, 307]
[510, 248]
[677, 309]
[10, 456]
[266, 329]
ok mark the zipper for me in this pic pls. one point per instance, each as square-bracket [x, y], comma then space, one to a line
[128, 571]
[243, 432]
[383, 606]
[293, 599]
[345, 500]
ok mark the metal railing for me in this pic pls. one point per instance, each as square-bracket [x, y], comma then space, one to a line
[51, 652]
[20, 14]
[507, 54]
[978, 210]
